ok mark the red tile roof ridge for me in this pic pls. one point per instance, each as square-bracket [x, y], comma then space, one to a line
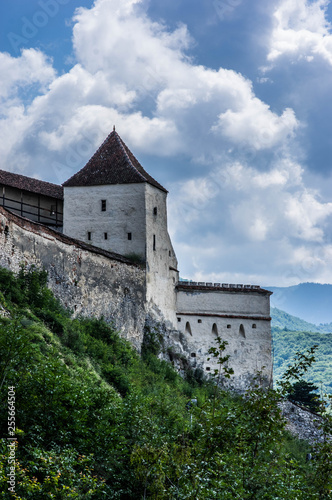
[121, 144]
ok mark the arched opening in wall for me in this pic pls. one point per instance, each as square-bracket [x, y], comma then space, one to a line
[215, 329]
[188, 328]
[241, 331]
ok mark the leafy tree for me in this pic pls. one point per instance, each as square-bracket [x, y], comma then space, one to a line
[302, 392]
[15, 347]
[95, 420]
[301, 363]
[322, 470]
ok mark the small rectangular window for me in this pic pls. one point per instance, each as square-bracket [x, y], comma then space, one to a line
[129, 236]
[254, 325]
[105, 236]
[103, 205]
[155, 211]
[229, 326]
[154, 242]
[89, 235]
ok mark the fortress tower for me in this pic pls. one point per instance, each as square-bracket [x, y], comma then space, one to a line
[112, 208]
[114, 204]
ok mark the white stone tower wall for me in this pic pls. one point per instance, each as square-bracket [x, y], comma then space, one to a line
[139, 209]
[162, 263]
[124, 214]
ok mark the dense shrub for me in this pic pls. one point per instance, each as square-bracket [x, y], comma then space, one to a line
[305, 393]
[95, 421]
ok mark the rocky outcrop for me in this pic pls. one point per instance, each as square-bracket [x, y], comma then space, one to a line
[302, 423]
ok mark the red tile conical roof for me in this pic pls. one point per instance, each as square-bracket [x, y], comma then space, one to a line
[112, 163]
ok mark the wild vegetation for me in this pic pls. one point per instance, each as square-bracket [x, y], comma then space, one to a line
[95, 420]
[286, 343]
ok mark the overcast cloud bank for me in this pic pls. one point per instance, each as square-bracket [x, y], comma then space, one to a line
[246, 211]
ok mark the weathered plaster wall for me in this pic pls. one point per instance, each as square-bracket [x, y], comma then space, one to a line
[228, 301]
[125, 213]
[162, 275]
[139, 209]
[89, 281]
[94, 282]
[242, 318]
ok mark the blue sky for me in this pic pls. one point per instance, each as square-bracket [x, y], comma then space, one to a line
[226, 102]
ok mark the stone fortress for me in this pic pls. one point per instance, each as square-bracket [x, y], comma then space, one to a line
[103, 239]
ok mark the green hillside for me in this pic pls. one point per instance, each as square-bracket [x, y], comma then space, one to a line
[93, 420]
[282, 320]
[287, 343]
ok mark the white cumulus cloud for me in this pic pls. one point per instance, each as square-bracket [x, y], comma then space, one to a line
[133, 72]
[301, 31]
[136, 73]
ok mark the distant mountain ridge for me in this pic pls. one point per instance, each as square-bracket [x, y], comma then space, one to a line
[312, 302]
[285, 321]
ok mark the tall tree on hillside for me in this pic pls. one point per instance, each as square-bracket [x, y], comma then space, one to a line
[303, 392]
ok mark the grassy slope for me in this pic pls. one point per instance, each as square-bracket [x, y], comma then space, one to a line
[81, 389]
[96, 421]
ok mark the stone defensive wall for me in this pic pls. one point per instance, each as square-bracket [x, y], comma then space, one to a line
[87, 280]
[238, 314]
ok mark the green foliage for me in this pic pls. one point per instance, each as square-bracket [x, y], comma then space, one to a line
[302, 392]
[287, 343]
[284, 321]
[57, 473]
[95, 420]
[135, 258]
[221, 360]
[300, 364]
[15, 346]
[152, 342]
[27, 288]
[322, 471]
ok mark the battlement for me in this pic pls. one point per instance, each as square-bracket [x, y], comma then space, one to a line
[202, 285]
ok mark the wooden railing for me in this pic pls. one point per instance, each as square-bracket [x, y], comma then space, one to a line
[55, 217]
